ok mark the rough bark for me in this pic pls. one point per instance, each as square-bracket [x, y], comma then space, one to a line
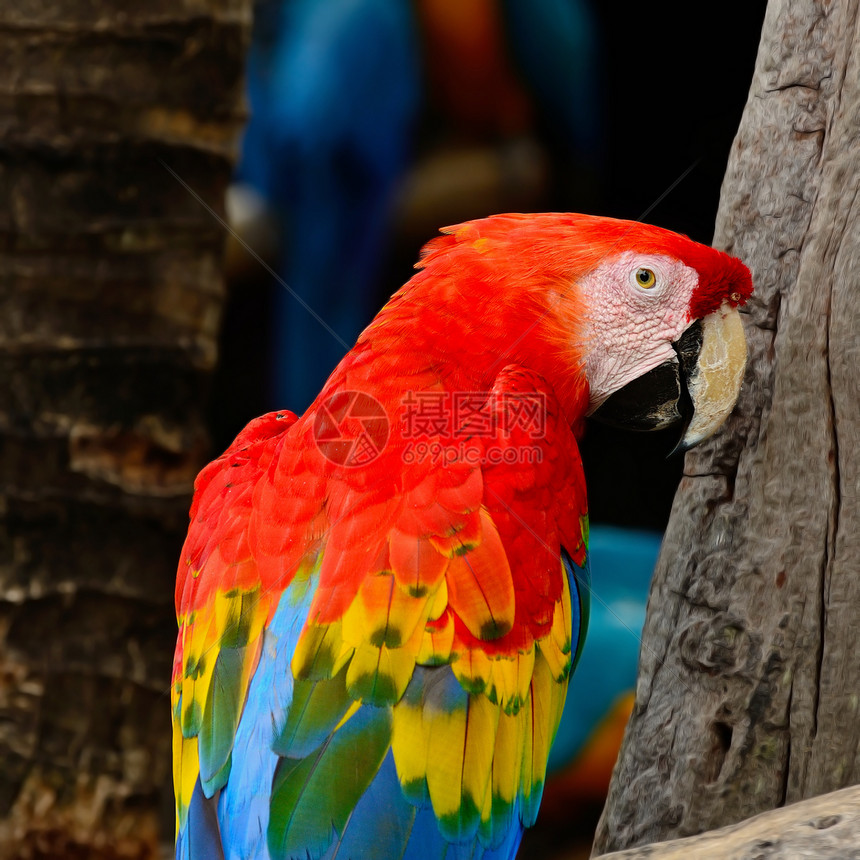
[823, 828]
[111, 291]
[749, 675]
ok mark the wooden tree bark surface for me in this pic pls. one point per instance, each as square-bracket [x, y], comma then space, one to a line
[111, 291]
[749, 676]
[822, 828]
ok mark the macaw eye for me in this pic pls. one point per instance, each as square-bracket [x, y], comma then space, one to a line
[645, 278]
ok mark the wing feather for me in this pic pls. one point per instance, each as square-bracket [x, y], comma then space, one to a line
[220, 614]
[425, 614]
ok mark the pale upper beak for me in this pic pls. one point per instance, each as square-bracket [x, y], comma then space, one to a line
[715, 380]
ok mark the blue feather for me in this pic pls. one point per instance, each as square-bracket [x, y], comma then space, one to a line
[201, 836]
[409, 832]
[248, 792]
[579, 580]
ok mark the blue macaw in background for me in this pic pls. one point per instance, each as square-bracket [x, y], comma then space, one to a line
[336, 89]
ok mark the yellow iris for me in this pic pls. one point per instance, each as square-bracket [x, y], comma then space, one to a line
[645, 278]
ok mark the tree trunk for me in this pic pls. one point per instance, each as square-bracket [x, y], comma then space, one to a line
[749, 674]
[111, 291]
[822, 828]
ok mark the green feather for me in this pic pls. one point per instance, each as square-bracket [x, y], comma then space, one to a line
[316, 708]
[220, 719]
[191, 719]
[375, 688]
[313, 797]
[240, 616]
[218, 779]
[462, 824]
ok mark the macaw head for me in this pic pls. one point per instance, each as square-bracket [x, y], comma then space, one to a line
[663, 340]
[647, 316]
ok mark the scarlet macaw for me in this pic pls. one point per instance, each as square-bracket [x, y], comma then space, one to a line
[380, 602]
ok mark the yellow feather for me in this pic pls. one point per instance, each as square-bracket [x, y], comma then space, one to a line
[543, 718]
[480, 743]
[199, 655]
[561, 618]
[474, 670]
[409, 742]
[439, 601]
[526, 772]
[557, 661]
[511, 679]
[508, 758]
[487, 804]
[355, 623]
[379, 675]
[320, 651]
[542, 724]
[186, 768]
[435, 645]
[446, 739]
[383, 613]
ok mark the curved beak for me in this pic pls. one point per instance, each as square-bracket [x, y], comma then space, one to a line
[714, 380]
[698, 387]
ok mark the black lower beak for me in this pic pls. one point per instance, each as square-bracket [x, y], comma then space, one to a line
[660, 397]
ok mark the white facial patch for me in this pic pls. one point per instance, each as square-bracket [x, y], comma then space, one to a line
[638, 307]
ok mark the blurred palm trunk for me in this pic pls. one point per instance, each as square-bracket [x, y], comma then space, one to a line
[111, 291]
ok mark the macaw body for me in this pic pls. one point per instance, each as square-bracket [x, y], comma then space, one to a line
[380, 602]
